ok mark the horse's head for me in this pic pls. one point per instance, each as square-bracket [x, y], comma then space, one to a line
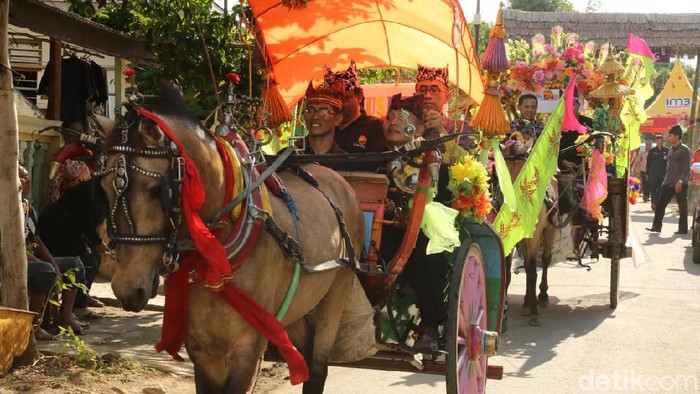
[142, 175]
[516, 151]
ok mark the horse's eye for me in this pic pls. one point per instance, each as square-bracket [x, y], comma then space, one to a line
[154, 192]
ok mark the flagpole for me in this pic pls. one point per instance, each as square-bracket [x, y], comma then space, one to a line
[477, 25]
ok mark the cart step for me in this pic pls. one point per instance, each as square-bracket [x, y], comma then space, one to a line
[607, 248]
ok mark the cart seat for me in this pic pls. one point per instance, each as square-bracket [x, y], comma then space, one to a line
[371, 190]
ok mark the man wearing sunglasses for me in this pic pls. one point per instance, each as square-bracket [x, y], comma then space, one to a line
[322, 115]
[432, 84]
[357, 132]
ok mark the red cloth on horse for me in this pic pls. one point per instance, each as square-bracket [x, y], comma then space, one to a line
[214, 268]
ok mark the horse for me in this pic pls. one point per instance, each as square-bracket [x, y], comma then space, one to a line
[543, 237]
[225, 349]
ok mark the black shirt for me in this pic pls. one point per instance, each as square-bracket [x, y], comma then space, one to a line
[365, 134]
[69, 225]
[568, 138]
[656, 162]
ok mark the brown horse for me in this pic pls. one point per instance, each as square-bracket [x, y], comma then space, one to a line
[542, 238]
[223, 347]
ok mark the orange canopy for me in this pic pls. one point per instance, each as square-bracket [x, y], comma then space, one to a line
[399, 33]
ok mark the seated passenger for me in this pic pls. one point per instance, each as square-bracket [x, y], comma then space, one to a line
[357, 132]
[425, 273]
[526, 124]
[321, 116]
[39, 259]
[68, 227]
[404, 121]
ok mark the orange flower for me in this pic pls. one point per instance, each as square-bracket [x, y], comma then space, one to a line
[463, 203]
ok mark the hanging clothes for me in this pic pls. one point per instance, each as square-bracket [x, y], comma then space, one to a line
[83, 86]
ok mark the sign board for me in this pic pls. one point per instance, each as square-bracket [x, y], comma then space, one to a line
[546, 103]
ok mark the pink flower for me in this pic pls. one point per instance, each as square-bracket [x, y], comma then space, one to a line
[549, 48]
[538, 77]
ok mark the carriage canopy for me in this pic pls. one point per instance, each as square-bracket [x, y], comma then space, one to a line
[401, 33]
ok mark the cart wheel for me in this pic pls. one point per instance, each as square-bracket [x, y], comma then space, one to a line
[468, 341]
[615, 237]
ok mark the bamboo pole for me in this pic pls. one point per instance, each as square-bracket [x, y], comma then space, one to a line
[13, 255]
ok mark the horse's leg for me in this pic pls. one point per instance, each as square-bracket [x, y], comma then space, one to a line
[529, 254]
[549, 235]
[225, 361]
[328, 314]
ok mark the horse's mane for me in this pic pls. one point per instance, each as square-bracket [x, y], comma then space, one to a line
[169, 103]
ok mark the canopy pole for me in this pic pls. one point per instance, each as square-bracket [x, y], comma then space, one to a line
[693, 142]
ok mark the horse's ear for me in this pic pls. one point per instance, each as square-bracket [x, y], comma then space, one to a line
[152, 134]
[529, 143]
[104, 126]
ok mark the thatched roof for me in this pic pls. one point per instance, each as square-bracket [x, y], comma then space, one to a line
[677, 34]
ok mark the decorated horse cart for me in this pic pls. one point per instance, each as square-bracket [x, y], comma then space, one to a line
[278, 249]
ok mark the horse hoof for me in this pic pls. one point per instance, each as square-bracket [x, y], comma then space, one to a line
[544, 302]
[535, 321]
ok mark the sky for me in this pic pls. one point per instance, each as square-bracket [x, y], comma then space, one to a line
[489, 8]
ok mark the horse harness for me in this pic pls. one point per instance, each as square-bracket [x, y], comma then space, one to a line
[171, 191]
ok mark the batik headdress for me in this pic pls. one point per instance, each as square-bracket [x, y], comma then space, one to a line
[412, 104]
[331, 95]
[434, 74]
[349, 76]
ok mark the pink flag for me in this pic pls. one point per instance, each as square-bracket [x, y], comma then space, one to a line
[638, 46]
[596, 189]
[570, 121]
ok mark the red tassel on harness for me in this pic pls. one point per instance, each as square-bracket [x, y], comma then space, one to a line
[213, 267]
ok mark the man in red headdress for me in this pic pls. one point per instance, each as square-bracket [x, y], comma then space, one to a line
[433, 85]
[357, 132]
[404, 120]
[322, 115]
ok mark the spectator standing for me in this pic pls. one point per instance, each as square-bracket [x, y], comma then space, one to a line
[656, 169]
[675, 183]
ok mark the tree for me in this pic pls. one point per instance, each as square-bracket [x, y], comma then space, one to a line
[13, 256]
[542, 5]
[174, 31]
[592, 6]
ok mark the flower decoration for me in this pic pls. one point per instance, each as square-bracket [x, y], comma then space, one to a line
[469, 187]
[634, 189]
[233, 78]
[128, 72]
[542, 66]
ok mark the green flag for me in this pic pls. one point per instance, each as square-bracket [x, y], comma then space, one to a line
[638, 72]
[515, 223]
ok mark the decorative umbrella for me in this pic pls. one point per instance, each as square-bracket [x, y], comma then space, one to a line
[299, 41]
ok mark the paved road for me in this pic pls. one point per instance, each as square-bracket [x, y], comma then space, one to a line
[648, 343]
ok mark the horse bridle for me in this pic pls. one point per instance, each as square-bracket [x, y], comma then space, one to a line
[171, 189]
